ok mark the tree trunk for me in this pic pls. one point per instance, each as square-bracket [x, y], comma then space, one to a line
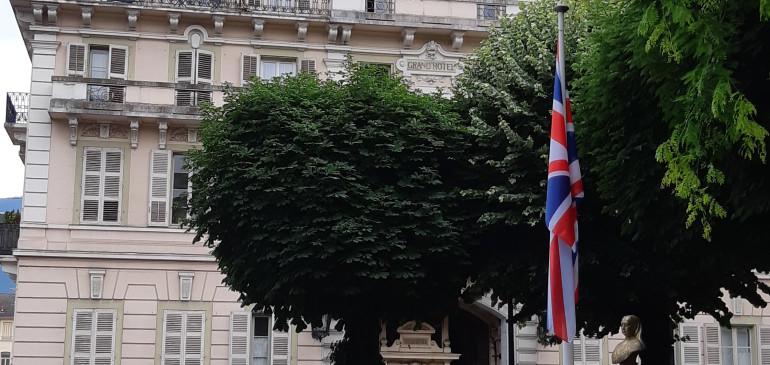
[658, 336]
[361, 344]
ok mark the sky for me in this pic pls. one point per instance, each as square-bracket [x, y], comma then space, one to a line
[14, 76]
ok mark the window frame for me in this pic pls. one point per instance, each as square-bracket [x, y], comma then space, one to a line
[102, 176]
[171, 179]
[278, 62]
[734, 343]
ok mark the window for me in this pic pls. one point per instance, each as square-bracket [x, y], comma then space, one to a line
[5, 358]
[93, 336]
[7, 331]
[183, 337]
[275, 68]
[735, 346]
[196, 67]
[101, 61]
[249, 68]
[170, 188]
[102, 185]
[587, 350]
[252, 342]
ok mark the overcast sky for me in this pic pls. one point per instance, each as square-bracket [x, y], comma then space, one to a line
[14, 76]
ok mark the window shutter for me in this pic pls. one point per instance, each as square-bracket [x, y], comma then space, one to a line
[76, 59]
[711, 334]
[691, 348]
[202, 97]
[249, 68]
[82, 336]
[577, 351]
[239, 338]
[172, 338]
[592, 351]
[308, 66]
[184, 66]
[764, 345]
[91, 188]
[193, 347]
[205, 73]
[104, 344]
[113, 181]
[118, 62]
[279, 351]
[184, 98]
[160, 173]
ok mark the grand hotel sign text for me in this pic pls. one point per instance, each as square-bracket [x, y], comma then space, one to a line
[431, 65]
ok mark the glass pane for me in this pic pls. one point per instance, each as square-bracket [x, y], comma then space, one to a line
[259, 347]
[259, 361]
[727, 356]
[179, 164]
[727, 336]
[261, 326]
[287, 68]
[98, 63]
[744, 356]
[180, 180]
[269, 69]
[179, 207]
[742, 336]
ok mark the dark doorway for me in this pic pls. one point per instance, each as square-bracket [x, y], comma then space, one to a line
[470, 338]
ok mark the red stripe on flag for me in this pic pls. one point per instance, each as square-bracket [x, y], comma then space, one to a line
[558, 165]
[558, 131]
[557, 299]
[577, 188]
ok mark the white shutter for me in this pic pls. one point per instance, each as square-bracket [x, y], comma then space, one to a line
[279, 347]
[205, 67]
[711, 335]
[82, 336]
[592, 351]
[185, 98]
[76, 59]
[308, 66]
[577, 351]
[239, 338]
[104, 341]
[118, 62]
[112, 187]
[691, 349]
[184, 66]
[764, 345]
[193, 338]
[249, 68]
[202, 97]
[172, 338]
[160, 174]
[90, 197]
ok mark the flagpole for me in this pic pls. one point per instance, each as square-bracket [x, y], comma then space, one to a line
[560, 9]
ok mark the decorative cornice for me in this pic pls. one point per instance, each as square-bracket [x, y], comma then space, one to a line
[457, 40]
[219, 23]
[133, 16]
[53, 10]
[134, 125]
[73, 123]
[37, 13]
[259, 27]
[85, 14]
[347, 30]
[301, 31]
[408, 34]
[332, 32]
[173, 22]
[162, 128]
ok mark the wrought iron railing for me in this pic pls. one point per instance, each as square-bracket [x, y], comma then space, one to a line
[16, 107]
[489, 12]
[9, 237]
[380, 6]
[107, 93]
[300, 7]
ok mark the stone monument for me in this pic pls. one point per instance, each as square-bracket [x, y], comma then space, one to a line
[626, 352]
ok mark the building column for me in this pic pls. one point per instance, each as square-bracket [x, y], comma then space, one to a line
[37, 155]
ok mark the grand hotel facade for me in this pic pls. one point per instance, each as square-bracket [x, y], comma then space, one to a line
[104, 274]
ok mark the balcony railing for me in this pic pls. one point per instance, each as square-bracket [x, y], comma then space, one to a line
[380, 6]
[107, 93]
[296, 7]
[16, 107]
[9, 237]
[489, 12]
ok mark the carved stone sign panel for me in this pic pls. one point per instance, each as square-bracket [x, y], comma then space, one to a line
[429, 67]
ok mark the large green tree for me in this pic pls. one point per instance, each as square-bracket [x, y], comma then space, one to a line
[631, 100]
[335, 198]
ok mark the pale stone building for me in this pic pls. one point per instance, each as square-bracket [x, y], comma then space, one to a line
[104, 274]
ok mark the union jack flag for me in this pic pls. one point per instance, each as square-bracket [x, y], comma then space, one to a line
[565, 189]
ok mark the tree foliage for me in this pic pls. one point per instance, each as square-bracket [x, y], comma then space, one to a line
[334, 198]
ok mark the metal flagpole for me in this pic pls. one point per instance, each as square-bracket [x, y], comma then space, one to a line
[560, 9]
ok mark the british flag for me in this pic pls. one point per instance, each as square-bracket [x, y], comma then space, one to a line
[565, 189]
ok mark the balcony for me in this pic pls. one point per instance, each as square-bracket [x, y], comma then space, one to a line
[16, 118]
[9, 237]
[306, 8]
